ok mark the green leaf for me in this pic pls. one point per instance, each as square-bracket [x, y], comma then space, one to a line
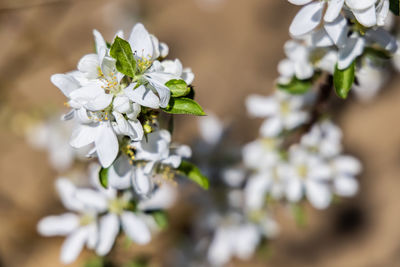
[344, 79]
[296, 86]
[94, 262]
[184, 106]
[161, 219]
[122, 52]
[103, 177]
[193, 173]
[178, 87]
[395, 7]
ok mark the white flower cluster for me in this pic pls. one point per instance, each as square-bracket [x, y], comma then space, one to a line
[97, 214]
[108, 104]
[116, 96]
[330, 35]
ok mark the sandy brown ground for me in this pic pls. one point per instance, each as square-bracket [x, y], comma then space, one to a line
[233, 51]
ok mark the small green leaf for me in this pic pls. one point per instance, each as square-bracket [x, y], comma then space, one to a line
[161, 219]
[344, 79]
[103, 177]
[395, 7]
[296, 86]
[193, 173]
[178, 87]
[122, 52]
[184, 106]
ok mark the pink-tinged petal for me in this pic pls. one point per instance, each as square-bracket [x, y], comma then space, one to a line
[106, 142]
[108, 231]
[58, 225]
[307, 19]
[135, 228]
[73, 245]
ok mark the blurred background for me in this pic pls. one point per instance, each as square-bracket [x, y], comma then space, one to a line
[233, 47]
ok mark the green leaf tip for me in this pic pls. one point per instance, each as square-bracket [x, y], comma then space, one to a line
[103, 177]
[343, 80]
[178, 88]
[192, 172]
[125, 61]
[184, 105]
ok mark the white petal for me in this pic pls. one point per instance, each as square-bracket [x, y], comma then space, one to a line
[106, 142]
[383, 38]
[163, 91]
[89, 65]
[347, 165]
[92, 200]
[135, 228]
[109, 229]
[353, 48]
[66, 83]
[100, 102]
[119, 174]
[99, 42]
[346, 186]
[211, 128]
[360, 4]
[163, 198]
[141, 42]
[307, 19]
[294, 190]
[143, 96]
[66, 190]
[58, 225]
[318, 194]
[256, 190]
[121, 104]
[333, 11]
[337, 30]
[220, 252]
[83, 136]
[300, 2]
[366, 17]
[259, 106]
[271, 127]
[73, 245]
[142, 182]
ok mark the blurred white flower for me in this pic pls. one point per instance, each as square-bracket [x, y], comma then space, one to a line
[324, 139]
[308, 175]
[344, 170]
[233, 238]
[80, 228]
[283, 111]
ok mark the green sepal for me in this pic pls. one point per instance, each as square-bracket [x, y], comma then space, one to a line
[192, 172]
[344, 79]
[184, 105]
[103, 177]
[296, 86]
[122, 52]
[178, 88]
